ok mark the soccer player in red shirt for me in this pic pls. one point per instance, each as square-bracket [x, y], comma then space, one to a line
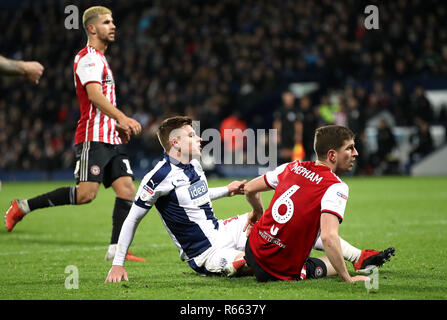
[309, 201]
[101, 131]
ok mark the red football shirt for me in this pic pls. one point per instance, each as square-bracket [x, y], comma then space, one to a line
[90, 65]
[283, 237]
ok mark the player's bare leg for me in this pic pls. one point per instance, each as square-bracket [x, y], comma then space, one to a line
[86, 191]
[330, 269]
[124, 188]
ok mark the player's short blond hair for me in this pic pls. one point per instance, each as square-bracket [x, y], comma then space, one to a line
[92, 13]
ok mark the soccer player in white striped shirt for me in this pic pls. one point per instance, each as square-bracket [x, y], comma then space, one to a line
[178, 188]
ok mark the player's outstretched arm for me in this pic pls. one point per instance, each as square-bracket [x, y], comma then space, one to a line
[116, 274]
[236, 187]
[32, 70]
[252, 193]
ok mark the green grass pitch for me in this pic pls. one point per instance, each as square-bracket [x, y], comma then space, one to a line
[409, 214]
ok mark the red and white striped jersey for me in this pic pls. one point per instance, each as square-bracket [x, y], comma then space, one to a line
[283, 238]
[90, 65]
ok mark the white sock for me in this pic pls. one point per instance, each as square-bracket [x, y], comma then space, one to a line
[23, 205]
[350, 253]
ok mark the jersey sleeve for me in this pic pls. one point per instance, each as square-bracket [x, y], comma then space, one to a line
[335, 199]
[90, 69]
[136, 214]
[154, 185]
[217, 193]
[271, 177]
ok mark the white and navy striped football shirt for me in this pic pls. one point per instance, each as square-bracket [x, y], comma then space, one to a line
[181, 195]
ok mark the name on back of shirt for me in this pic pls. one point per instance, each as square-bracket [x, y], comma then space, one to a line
[306, 173]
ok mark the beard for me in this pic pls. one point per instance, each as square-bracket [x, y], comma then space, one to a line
[106, 38]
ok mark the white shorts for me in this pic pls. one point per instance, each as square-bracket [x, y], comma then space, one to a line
[229, 243]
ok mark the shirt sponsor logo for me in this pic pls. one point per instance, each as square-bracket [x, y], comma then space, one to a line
[198, 189]
[267, 237]
[343, 196]
[229, 220]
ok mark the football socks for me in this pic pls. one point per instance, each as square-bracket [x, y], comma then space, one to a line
[120, 212]
[350, 253]
[58, 197]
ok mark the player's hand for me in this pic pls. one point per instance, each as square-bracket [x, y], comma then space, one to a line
[251, 220]
[33, 70]
[123, 133]
[247, 228]
[117, 273]
[359, 278]
[236, 187]
[133, 125]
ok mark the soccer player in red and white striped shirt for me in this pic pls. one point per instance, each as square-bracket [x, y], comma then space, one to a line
[101, 131]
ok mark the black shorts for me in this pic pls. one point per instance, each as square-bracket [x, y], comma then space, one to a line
[315, 268]
[101, 162]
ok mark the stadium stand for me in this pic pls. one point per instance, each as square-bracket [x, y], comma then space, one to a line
[208, 59]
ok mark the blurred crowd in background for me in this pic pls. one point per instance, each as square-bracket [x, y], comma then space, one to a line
[227, 63]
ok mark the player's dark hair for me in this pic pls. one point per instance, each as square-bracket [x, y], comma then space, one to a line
[167, 126]
[330, 137]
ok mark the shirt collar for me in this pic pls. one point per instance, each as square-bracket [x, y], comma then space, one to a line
[176, 162]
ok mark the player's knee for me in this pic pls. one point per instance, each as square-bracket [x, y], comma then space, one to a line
[86, 196]
[315, 268]
[131, 191]
[127, 191]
